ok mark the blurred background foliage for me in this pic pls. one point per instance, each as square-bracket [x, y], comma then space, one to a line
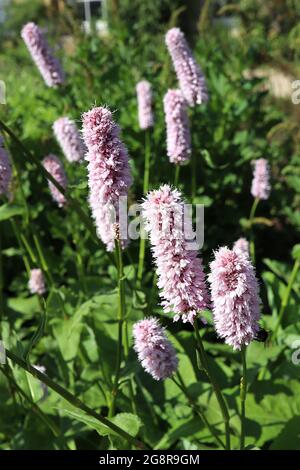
[249, 52]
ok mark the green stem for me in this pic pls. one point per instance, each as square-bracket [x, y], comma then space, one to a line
[131, 380]
[251, 217]
[145, 191]
[76, 402]
[147, 161]
[24, 257]
[193, 176]
[196, 408]
[43, 261]
[214, 384]
[176, 176]
[243, 394]
[286, 297]
[121, 319]
[28, 248]
[141, 256]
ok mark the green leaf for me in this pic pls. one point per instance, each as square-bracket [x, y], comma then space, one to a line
[126, 421]
[189, 428]
[207, 157]
[296, 251]
[289, 438]
[24, 305]
[10, 210]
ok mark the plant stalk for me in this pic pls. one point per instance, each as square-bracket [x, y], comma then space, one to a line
[76, 402]
[196, 408]
[243, 395]
[214, 384]
[121, 318]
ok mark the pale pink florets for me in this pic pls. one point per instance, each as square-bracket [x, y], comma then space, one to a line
[191, 80]
[178, 128]
[5, 170]
[144, 97]
[108, 169]
[69, 139]
[54, 166]
[261, 179]
[180, 272]
[243, 245]
[36, 282]
[155, 352]
[235, 296]
[42, 55]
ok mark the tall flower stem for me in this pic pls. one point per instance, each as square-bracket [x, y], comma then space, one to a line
[214, 384]
[193, 166]
[176, 177]
[121, 319]
[147, 160]
[180, 383]
[71, 398]
[243, 394]
[145, 191]
[286, 297]
[43, 261]
[251, 217]
[131, 380]
[22, 248]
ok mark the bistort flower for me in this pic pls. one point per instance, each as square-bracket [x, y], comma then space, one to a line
[36, 282]
[243, 245]
[155, 352]
[69, 139]
[191, 79]
[5, 170]
[108, 171]
[180, 272]
[235, 297]
[144, 98]
[178, 128]
[261, 179]
[42, 55]
[55, 167]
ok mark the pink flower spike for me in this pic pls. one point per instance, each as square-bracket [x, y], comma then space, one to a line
[191, 79]
[235, 296]
[5, 170]
[108, 171]
[42, 55]
[54, 166]
[36, 282]
[261, 179]
[178, 128]
[155, 352]
[180, 272]
[69, 139]
[243, 245]
[144, 98]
